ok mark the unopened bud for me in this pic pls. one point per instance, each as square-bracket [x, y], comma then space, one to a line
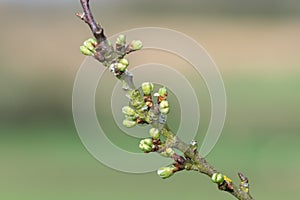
[93, 41]
[147, 88]
[164, 104]
[124, 62]
[128, 111]
[146, 145]
[121, 67]
[89, 45]
[154, 133]
[164, 107]
[165, 172]
[121, 40]
[128, 123]
[136, 45]
[134, 94]
[217, 178]
[85, 51]
[163, 91]
[147, 141]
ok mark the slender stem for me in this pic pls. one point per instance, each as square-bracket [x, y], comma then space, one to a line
[88, 18]
[201, 165]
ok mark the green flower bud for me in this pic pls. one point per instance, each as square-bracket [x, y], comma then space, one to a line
[217, 178]
[145, 148]
[154, 133]
[146, 145]
[214, 177]
[164, 104]
[85, 51]
[136, 45]
[162, 91]
[89, 45]
[164, 107]
[121, 40]
[124, 61]
[147, 141]
[128, 111]
[147, 88]
[93, 41]
[220, 178]
[134, 94]
[165, 172]
[128, 123]
[121, 67]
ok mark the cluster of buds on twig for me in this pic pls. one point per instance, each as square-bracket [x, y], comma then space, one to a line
[108, 55]
[143, 108]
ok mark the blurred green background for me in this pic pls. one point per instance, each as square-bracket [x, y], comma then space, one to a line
[256, 45]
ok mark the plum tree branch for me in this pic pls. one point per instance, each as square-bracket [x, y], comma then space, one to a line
[88, 18]
[144, 110]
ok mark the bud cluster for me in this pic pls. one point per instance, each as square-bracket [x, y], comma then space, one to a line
[108, 55]
[142, 109]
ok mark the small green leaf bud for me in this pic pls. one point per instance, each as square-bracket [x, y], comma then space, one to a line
[85, 51]
[165, 172]
[124, 61]
[147, 88]
[128, 123]
[154, 133]
[136, 45]
[121, 67]
[121, 40]
[128, 111]
[162, 91]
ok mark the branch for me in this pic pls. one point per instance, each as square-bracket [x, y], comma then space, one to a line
[143, 110]
[88, 18]
[197, 163]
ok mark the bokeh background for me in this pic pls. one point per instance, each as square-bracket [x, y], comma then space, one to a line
[256, 45]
